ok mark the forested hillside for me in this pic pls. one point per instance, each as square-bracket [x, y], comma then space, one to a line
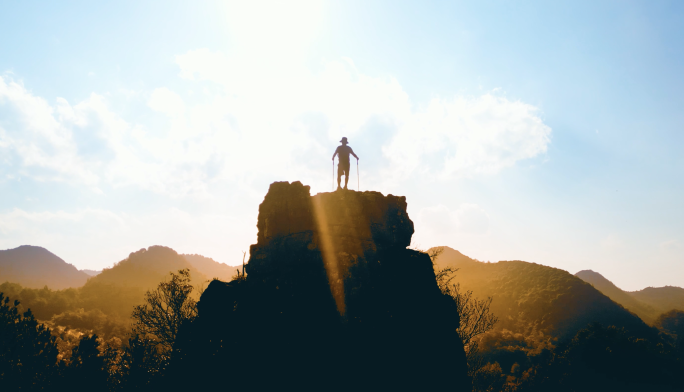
[648, 303]
[529, 295]
[556, 332]
[36, 267]
[145, 268]
[662, 298]
[104, 304]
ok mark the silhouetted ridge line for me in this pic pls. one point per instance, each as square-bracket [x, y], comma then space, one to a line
[333, 300]
[36, 267]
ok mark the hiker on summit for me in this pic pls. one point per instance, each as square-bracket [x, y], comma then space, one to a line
[343, 167]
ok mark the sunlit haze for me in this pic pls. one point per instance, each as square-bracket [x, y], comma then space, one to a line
[540, 132]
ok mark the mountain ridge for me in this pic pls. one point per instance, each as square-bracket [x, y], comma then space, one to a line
[36, 267]
[543, 298]
[647, 303]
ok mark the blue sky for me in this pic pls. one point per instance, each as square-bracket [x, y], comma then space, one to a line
[541, 131]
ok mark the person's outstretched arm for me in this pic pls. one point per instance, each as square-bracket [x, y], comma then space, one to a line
[333, 158]
[352, 152]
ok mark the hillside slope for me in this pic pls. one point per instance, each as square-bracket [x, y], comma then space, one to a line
[211, 268]
[104, 304]
[646, 312]
[145, 268]
[36, 267]
[550, 299]
[662, 298]
[648, 303]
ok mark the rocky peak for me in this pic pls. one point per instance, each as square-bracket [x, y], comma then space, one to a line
[333, 299]
[344, 229]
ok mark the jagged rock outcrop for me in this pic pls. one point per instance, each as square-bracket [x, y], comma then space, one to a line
[333, 300]
[344, 230]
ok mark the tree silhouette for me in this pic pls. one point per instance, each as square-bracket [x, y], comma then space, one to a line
[88, 368]
[475, 315]
[28, 353]
[139, 365]
[165, 310]
[602, 359]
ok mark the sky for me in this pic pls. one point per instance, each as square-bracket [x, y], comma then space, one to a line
[549, 132]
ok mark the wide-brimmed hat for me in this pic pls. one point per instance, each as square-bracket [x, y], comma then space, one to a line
[344, 140]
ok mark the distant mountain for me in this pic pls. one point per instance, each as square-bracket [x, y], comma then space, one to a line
[662, 298]
[145, 268]
[641, 309]
[527, 295]
[36, 267]
[91, 272]
[105, 302]
[647, 303]
[212, 269]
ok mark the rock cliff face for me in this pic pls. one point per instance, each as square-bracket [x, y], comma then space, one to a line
[344, 230]
[333, 300]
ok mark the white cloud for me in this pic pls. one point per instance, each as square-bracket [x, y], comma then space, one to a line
[12, 220]
[275, 120]
[34, 137]
[470, 136]
[87, 143]
[166, 101]
[447, 138]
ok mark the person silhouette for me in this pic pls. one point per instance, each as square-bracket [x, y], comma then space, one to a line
[343, 167]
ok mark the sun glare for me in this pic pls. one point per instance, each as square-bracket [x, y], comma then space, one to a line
[282, 29]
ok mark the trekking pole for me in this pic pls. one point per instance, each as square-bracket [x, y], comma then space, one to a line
[358, 181]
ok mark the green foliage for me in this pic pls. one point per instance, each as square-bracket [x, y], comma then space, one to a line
[28, 353]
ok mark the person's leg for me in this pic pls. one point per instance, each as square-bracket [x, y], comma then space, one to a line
[346, 176]
[339, 175]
